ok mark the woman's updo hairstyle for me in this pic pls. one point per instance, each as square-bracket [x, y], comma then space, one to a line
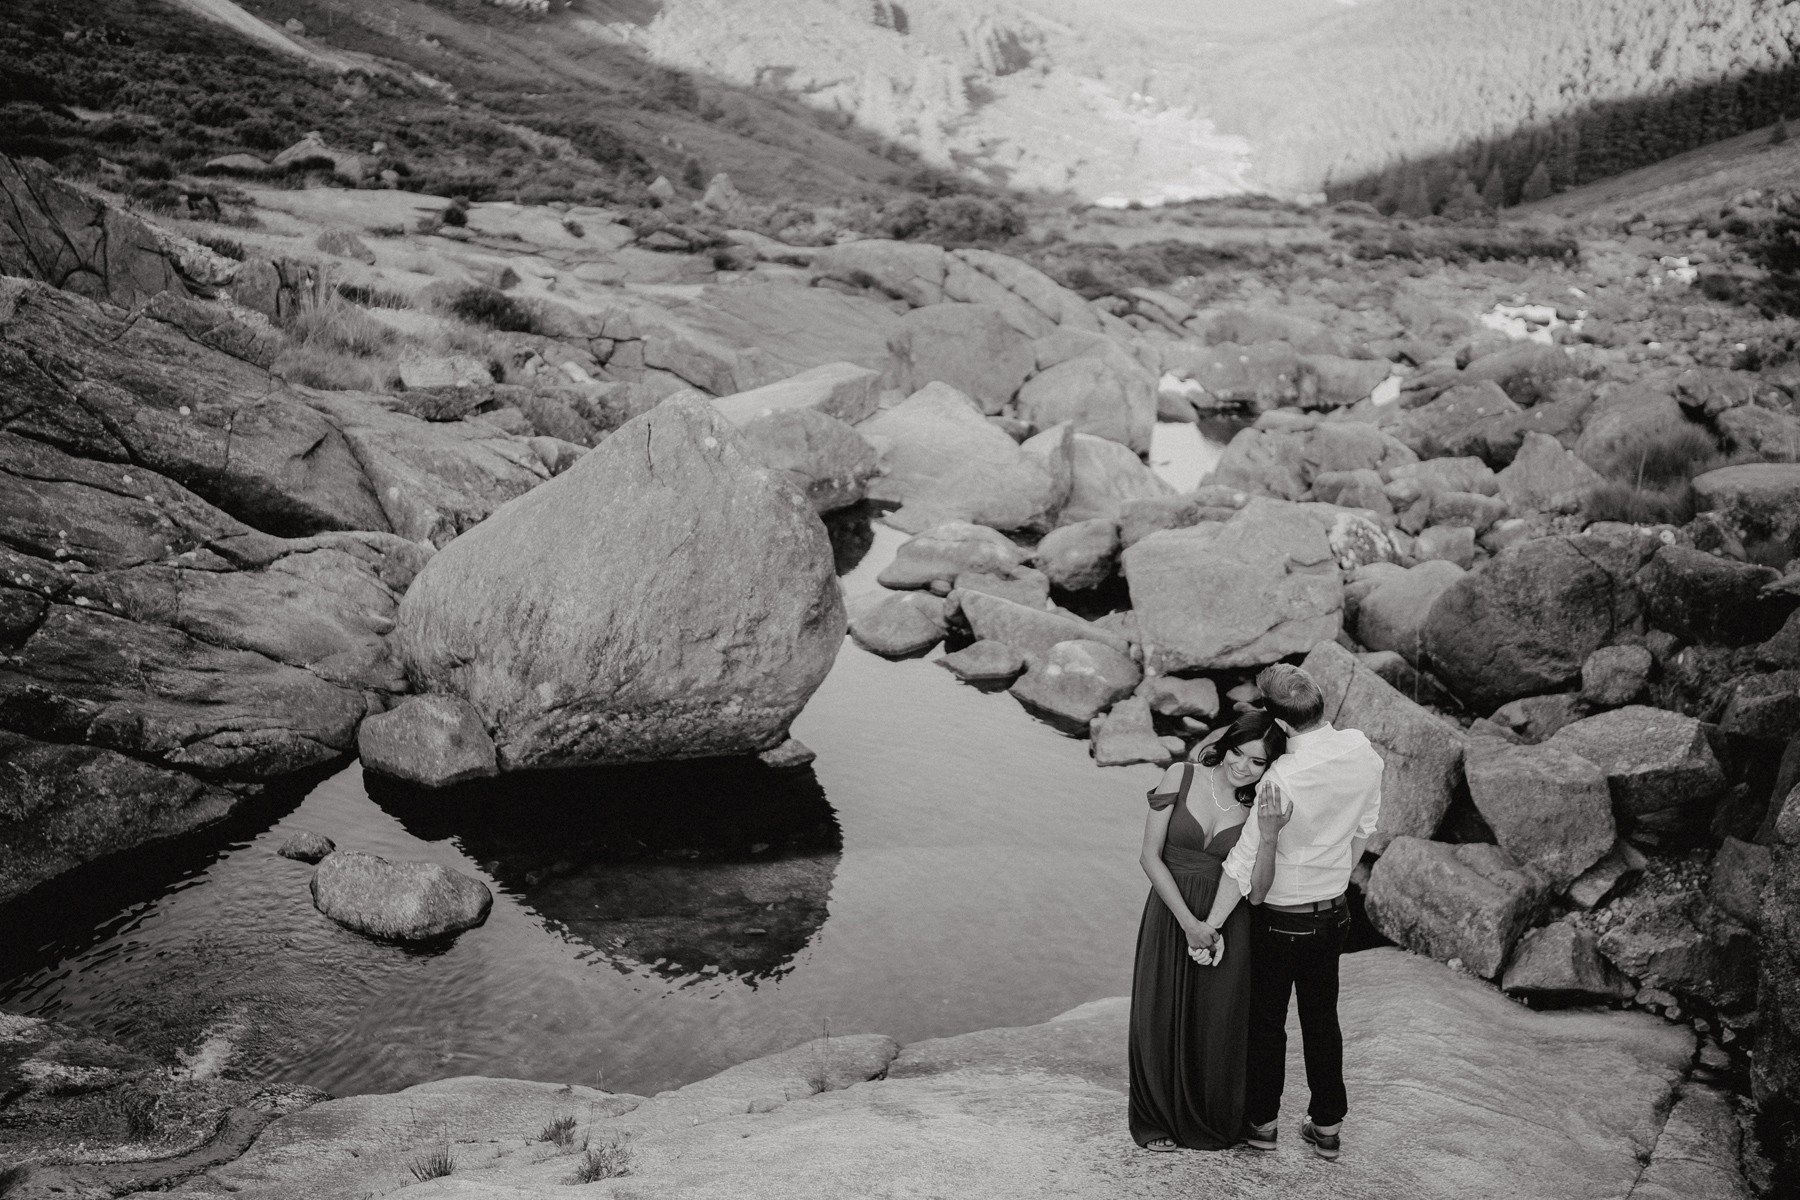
[1253, 726]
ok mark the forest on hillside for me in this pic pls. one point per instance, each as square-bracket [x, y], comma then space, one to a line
[1586, 87]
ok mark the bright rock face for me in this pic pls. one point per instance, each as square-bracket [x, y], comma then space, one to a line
[665, 598]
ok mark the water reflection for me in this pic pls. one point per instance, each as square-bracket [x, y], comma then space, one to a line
[721, 866]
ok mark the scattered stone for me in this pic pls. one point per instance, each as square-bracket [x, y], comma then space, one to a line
[1526, 371]
[1172, 696]
[945, 462]
[1022, 585]
[1357, 541]
[1765, 707]
[1682, 944]
[986, 661]
[1470, 902]
[1545, 477]
[945, 551]
[344, 244]
[434, 741]
[1354, 489]
[1760, 503]
[969, 347]
[790, 754]
[897, 624]
[1476, 511]
[303, 845]
[1701, 597]
[1392, 615]
[1267, 462]
[1246, 592]
[1740, 871]
[1107, 476]
[1449, 543]
[1422, 753]
[1546, 805]
[1608, 877]
[1658, 764]
[1561, 962]
[1080, 556]
[1102, 397]
[826, 460]
[1138, 519]
[1076, 681]
[1450, 426]
[842, 390]
[1537, 718]
[1437, 475]
[404, 901]
[1417, 686]
[1527, 619]
[1614, 676]
[1126, 735]
[1031, 631]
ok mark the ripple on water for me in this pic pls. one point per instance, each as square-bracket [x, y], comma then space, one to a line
[948, 863]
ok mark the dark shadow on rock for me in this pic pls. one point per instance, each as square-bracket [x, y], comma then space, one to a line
[60, 919]
[852, 533]
[711, 864]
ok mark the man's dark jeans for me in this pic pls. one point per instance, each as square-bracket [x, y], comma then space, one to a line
[1293, 953]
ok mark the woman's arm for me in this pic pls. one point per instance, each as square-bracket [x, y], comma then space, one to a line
[1156, 828]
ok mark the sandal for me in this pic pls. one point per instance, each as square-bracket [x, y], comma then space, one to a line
[1162, 1145]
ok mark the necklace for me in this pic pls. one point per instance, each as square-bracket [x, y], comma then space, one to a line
[1212, 783]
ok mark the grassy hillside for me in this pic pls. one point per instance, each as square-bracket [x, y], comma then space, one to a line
[467, 98]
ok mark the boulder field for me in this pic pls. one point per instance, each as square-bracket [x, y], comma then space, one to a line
[599, 541]
[1448, 1081]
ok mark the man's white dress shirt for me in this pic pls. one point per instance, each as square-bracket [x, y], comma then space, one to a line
[1332, 777]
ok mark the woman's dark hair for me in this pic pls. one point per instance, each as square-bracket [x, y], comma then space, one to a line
[1253, 726]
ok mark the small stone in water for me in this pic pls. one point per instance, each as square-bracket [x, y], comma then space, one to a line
[306, 846]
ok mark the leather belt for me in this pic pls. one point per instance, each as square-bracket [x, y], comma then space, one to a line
[1316, 906]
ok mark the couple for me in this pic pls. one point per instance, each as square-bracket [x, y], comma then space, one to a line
[1210, 991]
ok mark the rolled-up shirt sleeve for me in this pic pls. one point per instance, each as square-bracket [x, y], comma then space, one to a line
[1371, 814]
[1242, 859]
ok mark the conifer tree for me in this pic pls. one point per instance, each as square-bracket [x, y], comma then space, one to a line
[1780, 133]
[1494, 190]
[1537, 185]
[1415, 195]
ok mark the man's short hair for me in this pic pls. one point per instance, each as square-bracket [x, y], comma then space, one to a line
[1291, 695]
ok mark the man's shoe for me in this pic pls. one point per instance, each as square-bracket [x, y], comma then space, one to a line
[1325, 1145]
[1260, 1137]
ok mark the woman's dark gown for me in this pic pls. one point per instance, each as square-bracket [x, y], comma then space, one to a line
[1189, 1023]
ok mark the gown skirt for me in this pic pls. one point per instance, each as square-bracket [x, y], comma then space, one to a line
[1189, 1023]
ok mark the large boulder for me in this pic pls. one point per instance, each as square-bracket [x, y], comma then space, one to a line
[1701, 597]
[1619, 426]
[664, 598]
[1545, 477]
[970, 347]
[403, 901]
[1452, 425]
[55, 233]
[1760, 503]
[1775, 1072]
[1526, 620]
[1422, 754]
[1107, 475]
[1080, 556]
[1547, 805]
[1102, 397]
[1074, 682]
[945, 551]
[826, 460]
[1561, 963]
[434, 741]
[1351, 446]
[1470, 902]
[1391, 615]
[1270, 462]
[1658, 764]
[945, 462]
[1240, 593]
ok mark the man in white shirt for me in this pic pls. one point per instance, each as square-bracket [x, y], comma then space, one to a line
[1316, 808]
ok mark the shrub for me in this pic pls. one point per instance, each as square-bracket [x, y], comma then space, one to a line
[561, 1131]
[1618, 501]
[220, 244]
[457, 213]
[609, 1160]
[433, 1165]
[330, 371]
[1662, 459]
[372, 297]
[493, 308]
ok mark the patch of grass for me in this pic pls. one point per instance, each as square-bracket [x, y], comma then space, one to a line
[1619, 501]
[315, 367]
[1662, 459]
[493, 308]
[609, 1160]
[560, 1131]
[434, 1164]
[373, 297]
[337, 325]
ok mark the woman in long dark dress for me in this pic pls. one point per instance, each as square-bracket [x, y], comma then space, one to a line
[1189, 1022]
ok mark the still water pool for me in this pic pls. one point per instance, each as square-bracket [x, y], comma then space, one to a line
[948, 863]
